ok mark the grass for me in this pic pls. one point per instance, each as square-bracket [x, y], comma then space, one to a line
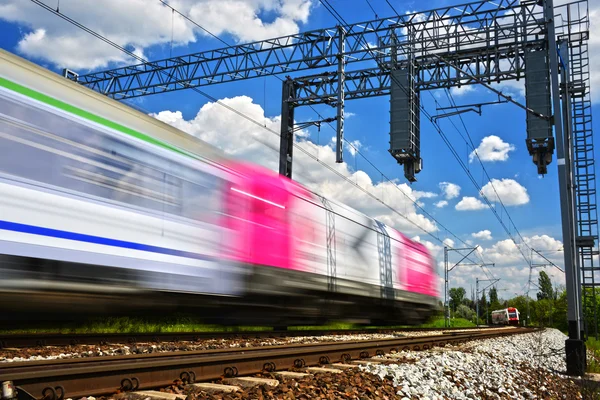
[454, 322]
[132, 325]
[593, 363]
[192, 324]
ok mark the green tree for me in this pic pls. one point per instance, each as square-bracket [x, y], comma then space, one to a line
[560, 311]
[494, 295]
[545, 285]
[465, 312]
[456, 297]
[494, 301]
[482, 308]
[543, 311]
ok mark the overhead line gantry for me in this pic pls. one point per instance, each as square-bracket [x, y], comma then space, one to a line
[400, 56]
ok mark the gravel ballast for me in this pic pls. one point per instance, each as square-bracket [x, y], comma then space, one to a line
[527, 366]
[119, 349]
[523, 366]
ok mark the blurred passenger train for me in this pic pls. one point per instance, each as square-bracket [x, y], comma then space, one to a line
[105, 209]
[507, 316]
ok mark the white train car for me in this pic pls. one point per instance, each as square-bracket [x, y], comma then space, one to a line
[104, 207]
[123, 200]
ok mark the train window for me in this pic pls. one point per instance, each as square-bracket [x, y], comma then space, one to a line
[41, 146]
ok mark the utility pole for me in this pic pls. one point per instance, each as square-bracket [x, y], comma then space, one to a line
[531, 267]
[477, 280]
[574, 345]
[446, 273]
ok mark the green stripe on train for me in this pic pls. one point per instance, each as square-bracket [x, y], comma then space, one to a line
[15, 87]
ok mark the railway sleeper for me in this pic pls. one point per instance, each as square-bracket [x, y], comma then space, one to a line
[311, 361]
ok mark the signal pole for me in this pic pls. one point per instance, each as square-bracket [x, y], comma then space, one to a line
[446, 273]
[477, 280]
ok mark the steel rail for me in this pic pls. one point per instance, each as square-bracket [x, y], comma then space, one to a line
[57, 379]
[18, 340]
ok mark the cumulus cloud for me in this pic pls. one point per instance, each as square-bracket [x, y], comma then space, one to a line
[510, 192]
[469, 203]
[424, 195]
[505, 252]
[448, 242]
[463, 90]
[492, 148]
[483, 235]
[139, 24]
[247, 141]
[441, 204]
[449, 190]
[511, 267]
[433, 248]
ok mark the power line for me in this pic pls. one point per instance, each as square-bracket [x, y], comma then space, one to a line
[372, 9]
[415, 203]
[341, 21]
[173, 9]
[215, 100]
[392, 7]
[453, 103]
[453, 151]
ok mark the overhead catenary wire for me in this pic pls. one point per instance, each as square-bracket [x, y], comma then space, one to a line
[337, 16]
[357, 151]
[392, 7]
[252, 120]
[479, 187]
[340, 20]
[372, 9]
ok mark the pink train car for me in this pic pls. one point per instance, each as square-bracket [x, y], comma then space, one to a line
[104, 209]
[300, 243]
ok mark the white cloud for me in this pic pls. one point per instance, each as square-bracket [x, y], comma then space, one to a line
[441, 204]
[424, 195]
[247, 141]
[511, 267]
[139, 24]
[355, 148]
[448, 242]
[436, 250]
[505, 252]
[469, 203]
[463, 90]
[594, 48]
[509, 190]
[492, 148]
[450, 190]
[483, 235]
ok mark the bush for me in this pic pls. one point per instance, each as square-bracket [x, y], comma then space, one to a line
[465, 312]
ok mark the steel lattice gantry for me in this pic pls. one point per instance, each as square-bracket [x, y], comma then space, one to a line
[480, 42]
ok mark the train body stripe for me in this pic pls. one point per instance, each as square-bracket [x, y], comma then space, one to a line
[81, 237]
[25, 91]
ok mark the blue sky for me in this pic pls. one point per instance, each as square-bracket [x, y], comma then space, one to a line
[147, 28]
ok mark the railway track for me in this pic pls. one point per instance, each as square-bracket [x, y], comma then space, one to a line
[17, 340]
[58, 379]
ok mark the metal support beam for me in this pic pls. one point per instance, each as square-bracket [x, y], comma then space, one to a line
[446, 308]
[477, 280]
[492, 30]
[575, 347]
[286, 143]
[339, 144]
[446, 276]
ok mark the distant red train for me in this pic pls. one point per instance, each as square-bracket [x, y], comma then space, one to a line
[507, 316]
